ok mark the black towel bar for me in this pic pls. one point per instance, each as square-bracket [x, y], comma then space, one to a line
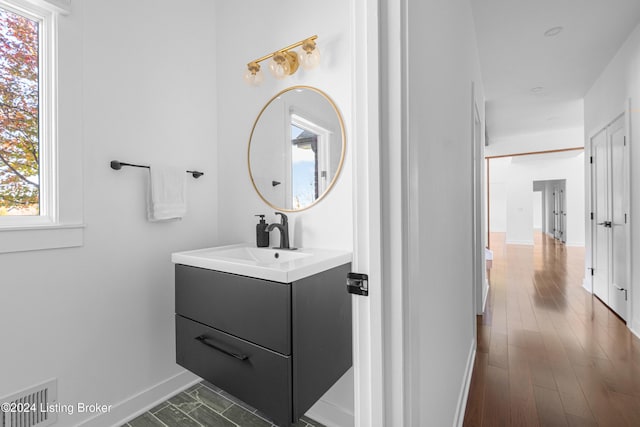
[117, 165]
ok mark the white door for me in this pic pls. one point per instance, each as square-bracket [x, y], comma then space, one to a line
[618, 230]
[610, 189]
[600, 208]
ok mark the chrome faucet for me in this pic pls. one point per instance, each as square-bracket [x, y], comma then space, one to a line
[284, 231]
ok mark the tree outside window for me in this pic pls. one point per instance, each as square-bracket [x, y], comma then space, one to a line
[19, 109]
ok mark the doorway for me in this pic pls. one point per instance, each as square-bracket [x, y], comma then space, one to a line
[558, 178]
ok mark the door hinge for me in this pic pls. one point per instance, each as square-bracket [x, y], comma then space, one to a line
[591, 216]
[591, 159]
[625, 218]
[593, 271]
[358, 284]
[624, 139]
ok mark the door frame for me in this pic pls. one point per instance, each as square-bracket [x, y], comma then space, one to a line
[368, 364]
[589, 253]
[381, 158]
[477, 207]
[628, 153]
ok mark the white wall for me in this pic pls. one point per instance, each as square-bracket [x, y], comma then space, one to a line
[328, 224]
[499, 168]
[619, 82]
[518, 174]
[537, 210]
[442, 63]
[100, 317]
[249, 29]
[538, 141]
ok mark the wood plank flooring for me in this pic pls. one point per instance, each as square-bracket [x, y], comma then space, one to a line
[548, 353]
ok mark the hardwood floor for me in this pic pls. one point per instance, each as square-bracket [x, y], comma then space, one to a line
[548, 353]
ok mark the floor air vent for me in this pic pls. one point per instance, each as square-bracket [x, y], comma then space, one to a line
[32, 407]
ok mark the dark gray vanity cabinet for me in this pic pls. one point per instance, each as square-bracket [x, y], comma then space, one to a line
[277, 346]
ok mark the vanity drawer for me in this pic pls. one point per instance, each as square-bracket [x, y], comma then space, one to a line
[258, 376]
[256, 310]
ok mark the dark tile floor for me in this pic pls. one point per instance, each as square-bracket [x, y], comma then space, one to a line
[205, 405]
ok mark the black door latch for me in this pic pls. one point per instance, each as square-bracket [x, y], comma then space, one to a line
[358, 284]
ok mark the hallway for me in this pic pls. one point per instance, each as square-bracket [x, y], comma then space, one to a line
[544, 356]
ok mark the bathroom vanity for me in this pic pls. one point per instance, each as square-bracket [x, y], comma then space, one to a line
[271, 327]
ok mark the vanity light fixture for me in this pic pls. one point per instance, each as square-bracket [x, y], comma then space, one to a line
[285, 62]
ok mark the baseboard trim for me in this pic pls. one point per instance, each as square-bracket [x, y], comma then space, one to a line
[520, 242]
[466, 383]
[140, 403]
[484, 297]
[331, 415]
[574, 244]
[634, 328]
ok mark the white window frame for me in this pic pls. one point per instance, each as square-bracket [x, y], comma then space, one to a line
[50, 229]
[324, 142]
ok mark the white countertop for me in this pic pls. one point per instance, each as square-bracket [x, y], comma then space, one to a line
[278, 265]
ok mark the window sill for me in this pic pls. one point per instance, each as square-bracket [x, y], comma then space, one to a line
[41, 237]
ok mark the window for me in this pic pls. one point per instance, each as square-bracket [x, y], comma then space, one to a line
[35, 213]
[26, 137]
[310, 144]
[19, 115]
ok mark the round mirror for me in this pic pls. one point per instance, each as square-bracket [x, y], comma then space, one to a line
[296, 148]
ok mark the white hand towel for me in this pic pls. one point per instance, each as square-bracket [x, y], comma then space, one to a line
[167, 193]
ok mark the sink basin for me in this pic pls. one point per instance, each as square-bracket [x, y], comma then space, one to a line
[263, 263]
[258, 255]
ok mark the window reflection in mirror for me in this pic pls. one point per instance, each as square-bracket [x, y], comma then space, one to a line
[296, 149]
[309, 161]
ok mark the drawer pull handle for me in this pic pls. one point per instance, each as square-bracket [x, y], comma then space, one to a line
[204, 340]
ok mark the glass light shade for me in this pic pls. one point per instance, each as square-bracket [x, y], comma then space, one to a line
[253, 78]
[309, 59]
[279, 67]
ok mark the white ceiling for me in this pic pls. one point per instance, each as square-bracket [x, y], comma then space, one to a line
[516, 57]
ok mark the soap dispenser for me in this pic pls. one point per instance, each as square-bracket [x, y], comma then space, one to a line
[262, 235]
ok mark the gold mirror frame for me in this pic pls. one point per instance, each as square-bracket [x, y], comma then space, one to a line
[342, 154]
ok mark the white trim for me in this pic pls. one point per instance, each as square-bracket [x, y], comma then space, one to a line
[393, 166]
[140, 403]
[369, 388]
[466, 384]
[484, 298]
[59, 226]
[331, 415]
[40, 238]
[634, 328]
[586, 286]
[47, 103]
[520, 242]
[629, 195]
[478, 219]
[57, 6]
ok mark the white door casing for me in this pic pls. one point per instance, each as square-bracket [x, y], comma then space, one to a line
[367, 257]
[477, 207]
[618, 284]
